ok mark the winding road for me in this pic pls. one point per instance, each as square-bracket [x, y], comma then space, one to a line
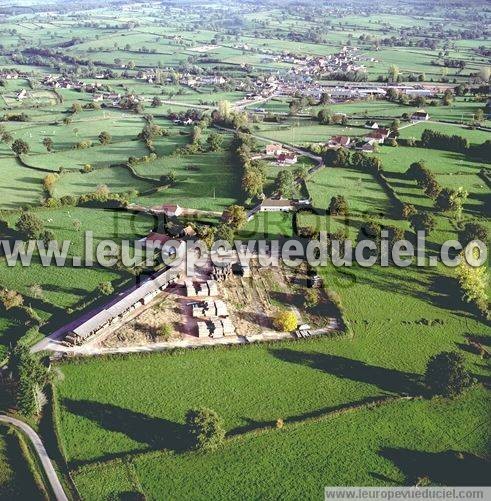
[42, 453]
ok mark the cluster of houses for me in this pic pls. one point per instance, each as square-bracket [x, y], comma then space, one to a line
[344, 61]
[347, 59]
[107, 99]
[376, 136]
[195, 81]
[11, 74]
[280, 154]
[262, 87]
[155, 75]
[151, 76]
[61, 82]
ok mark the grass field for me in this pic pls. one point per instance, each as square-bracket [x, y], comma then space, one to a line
[381, 452]
[118, 179]
[387, 356]
[204, 181]
[267, 225]
[97, 156]
[474, 136]
[16, 481]
[304, 131]
[19, 186]
[362, 191]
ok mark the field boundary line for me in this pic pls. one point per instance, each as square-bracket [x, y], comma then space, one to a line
[289, 423]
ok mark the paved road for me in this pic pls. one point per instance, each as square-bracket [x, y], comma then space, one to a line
[41, 452]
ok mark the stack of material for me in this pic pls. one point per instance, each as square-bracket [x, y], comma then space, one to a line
[204, 309]
[190, 290]
[221, 273]
[199, 309]
[228, 327]
[72, 340]
[315, 282]
[210, 310]
[221, 308]
[212, 287]
[217, 330]
[246, 271]
[203, 330]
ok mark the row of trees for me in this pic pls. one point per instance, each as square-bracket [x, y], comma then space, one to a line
[22, 147]
[474, 280]
[30, 375]
[446, 199]
[253, 172]
[438, 141]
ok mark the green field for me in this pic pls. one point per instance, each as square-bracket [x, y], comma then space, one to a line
[267, 225]
[16, 480]
[382, 452]
[203, 181]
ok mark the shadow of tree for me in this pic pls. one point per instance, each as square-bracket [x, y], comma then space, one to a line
[157, 433]
[252, 424]
[389, 380]
[444, 468]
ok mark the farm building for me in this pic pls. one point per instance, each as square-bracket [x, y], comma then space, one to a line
[276, 205]
[370, 124]
[170, 210]
[273, 150]
[420, 116]
[339, 142]
[367, 146]
[287, 159]
[124, 304]
[375, 136]
[419, 92]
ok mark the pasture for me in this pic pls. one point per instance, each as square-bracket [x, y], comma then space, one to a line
[380, 450]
